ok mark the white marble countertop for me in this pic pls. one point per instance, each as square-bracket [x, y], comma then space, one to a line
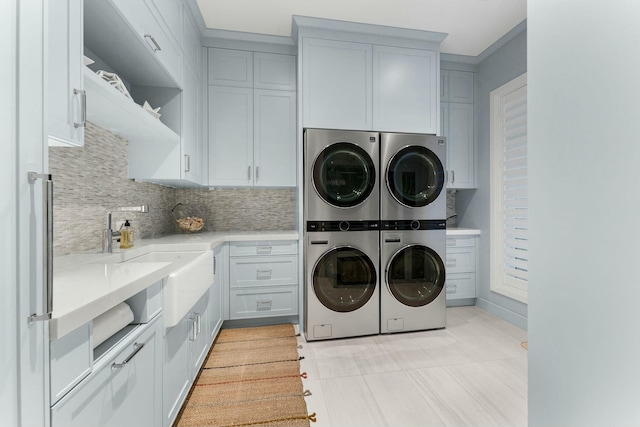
[88, 284]
[458, 231]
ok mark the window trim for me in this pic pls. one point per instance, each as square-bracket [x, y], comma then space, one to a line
[497, 281]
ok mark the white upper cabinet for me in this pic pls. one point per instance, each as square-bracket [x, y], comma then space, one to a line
[360, 86]
[336, 84]
[405, 96]
[158, 38]
[456, 86]
[274, 71]
[66, 112]
[193, 155]
[230, 136]
[229, 67]
[252, 126]
[274, 138]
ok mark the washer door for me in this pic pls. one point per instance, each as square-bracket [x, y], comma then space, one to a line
[415, 176]
[344, 279]
[344, 175]
[415, 275]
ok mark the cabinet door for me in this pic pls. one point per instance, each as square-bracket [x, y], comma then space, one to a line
[336, 84]
[460, 87]
[67, 103]
[230, 136]
[215, 293]
[170, 11]
[199, 336]
[273, 71]
[229, 67]
[125, 396]
[405, 97]
[192, 146]
[275, 138]
[176, 379]
[460, 146]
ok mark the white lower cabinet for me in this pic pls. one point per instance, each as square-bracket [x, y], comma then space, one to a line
[461, 267]
[216, 306]
[185, 348]
[124, 388]
[263, 279]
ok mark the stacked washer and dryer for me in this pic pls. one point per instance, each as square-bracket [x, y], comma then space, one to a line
[374, 212]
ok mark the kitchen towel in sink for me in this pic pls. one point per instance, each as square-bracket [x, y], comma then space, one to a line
[110, 322]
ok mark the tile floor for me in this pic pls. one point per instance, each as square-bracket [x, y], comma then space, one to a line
[473, 373]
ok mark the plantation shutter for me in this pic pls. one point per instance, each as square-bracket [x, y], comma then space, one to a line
[515, 202]
[509, 242]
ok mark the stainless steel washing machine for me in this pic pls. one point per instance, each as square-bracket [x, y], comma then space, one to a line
[412, 295]
[342, 280]
[413, 171]
[341, 175]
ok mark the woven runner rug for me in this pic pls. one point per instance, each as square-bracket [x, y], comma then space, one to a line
[251, 378]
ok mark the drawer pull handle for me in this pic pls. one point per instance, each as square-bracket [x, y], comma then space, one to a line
[452, 262]
[136, 349]
[156, 47]
[452, 289]
[263, 274]
[263, 249]
[264, 305]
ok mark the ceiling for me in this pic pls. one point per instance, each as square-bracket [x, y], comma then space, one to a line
[471, 25]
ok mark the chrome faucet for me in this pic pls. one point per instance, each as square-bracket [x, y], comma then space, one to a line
[108, 235]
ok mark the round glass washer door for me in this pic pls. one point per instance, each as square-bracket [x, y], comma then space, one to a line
[344, 175]
[415, 275]
[344, 279]
[415, 176]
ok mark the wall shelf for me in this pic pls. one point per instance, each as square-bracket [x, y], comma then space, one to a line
[111, 110]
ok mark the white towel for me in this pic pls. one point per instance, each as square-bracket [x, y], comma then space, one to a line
[110, 322]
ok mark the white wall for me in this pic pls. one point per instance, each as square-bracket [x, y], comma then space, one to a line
[584, 150]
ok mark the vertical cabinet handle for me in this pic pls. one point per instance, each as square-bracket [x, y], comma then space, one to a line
[249, 173]
[83, 117]
[155, 46]
[47, 246]
[257, 173]
[187, 163]
[453, 177]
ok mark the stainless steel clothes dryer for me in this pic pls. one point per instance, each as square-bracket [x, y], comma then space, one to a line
[413, 174]
[342, 292]
[412, 295]
[340, 175]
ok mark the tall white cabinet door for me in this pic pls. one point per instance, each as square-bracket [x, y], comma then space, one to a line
[336, 84]
[405, 97]
[192, 147]
[230, 136]
[275, 138]
[460, 153]
[66, 100]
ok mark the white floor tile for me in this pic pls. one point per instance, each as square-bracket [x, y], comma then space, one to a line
[351, 403]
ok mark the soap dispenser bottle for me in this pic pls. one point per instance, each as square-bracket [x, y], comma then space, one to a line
[126, 236]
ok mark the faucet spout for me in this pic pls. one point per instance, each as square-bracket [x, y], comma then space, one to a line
[108, 234]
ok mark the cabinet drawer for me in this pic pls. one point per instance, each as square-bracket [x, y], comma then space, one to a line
[263, 271]
[461, 285]
[118, 395]
[277, 247]
[71, 359]
[461, 260]
[263, 302]
[465, 241]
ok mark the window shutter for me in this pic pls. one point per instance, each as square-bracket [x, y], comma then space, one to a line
[509, 194]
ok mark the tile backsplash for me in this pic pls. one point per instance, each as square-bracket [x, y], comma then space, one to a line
[92, 179]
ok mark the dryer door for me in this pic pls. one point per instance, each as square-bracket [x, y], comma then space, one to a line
[344, 279]
[344, 175]
[415, 275]
[415, 176]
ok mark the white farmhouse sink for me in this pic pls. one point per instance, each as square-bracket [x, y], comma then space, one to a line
[191, 278]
